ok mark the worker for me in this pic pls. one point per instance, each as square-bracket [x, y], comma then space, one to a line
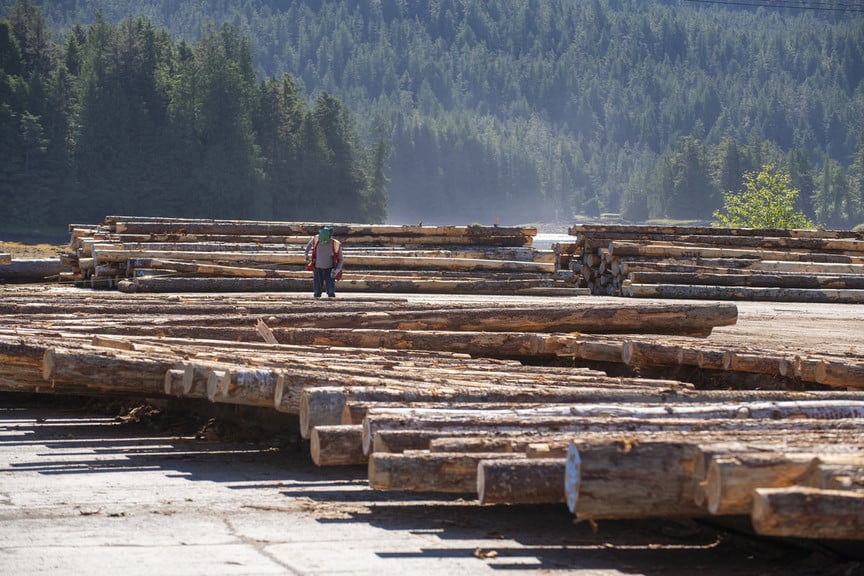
[324, 257]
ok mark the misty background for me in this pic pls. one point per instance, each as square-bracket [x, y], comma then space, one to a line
[445, 111]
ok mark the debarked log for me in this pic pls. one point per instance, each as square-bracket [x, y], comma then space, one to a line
[803, 512]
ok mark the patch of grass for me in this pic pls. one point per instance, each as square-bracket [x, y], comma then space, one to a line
[20, 250]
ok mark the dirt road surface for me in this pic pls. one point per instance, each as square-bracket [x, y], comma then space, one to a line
[82, 492]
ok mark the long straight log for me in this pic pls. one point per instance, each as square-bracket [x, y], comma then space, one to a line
[800, 512]
[633, 230]
[400, 440]
[430, 427]
[127, 225]
[521, 481]
[837, 296]
[752, 279]
[103, 255]
[810, 243]
[324, 405]
[30, 269]
[530, 287]
[622, 248]
[426, 472]
[691, 319]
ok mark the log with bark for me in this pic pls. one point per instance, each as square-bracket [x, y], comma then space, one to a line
[731, 479]
[623, 480]
[803, 512]
[427, 472]
[838, 296]
[521, 481]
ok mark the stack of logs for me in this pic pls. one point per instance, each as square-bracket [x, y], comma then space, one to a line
[717, 263]
[434, 400]
[145, 254]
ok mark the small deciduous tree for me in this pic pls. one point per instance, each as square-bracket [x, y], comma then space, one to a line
[766, 201]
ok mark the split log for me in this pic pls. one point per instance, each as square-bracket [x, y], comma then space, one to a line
[521, 481]
[800, 512]
[337, 446]
[5, 259]
[426, 472]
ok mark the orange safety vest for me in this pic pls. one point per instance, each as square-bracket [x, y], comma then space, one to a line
[337, 247]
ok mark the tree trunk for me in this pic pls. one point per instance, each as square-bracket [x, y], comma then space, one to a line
[426, 472]
[337, 446]
[521, 481]
[800, 512]
[622, 480]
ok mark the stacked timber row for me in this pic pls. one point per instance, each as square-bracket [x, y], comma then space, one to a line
[143, 254]
[455, 421]
[717, 263]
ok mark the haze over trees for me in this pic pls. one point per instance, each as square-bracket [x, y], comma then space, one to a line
[452, 111]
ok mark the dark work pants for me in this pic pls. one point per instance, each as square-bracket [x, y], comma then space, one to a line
[322, 281]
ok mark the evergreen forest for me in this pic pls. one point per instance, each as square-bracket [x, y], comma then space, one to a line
[442, 111]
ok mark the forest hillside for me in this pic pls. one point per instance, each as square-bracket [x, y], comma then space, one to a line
[508, 110]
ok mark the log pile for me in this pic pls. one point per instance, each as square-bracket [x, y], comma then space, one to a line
[717, 263]
[143, 254]
[433, 400]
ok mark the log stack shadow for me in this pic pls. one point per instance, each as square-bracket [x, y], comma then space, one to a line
[496, 402]
[717, 263]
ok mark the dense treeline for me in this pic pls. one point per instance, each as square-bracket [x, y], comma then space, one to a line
[120, 118]
[537, 109]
